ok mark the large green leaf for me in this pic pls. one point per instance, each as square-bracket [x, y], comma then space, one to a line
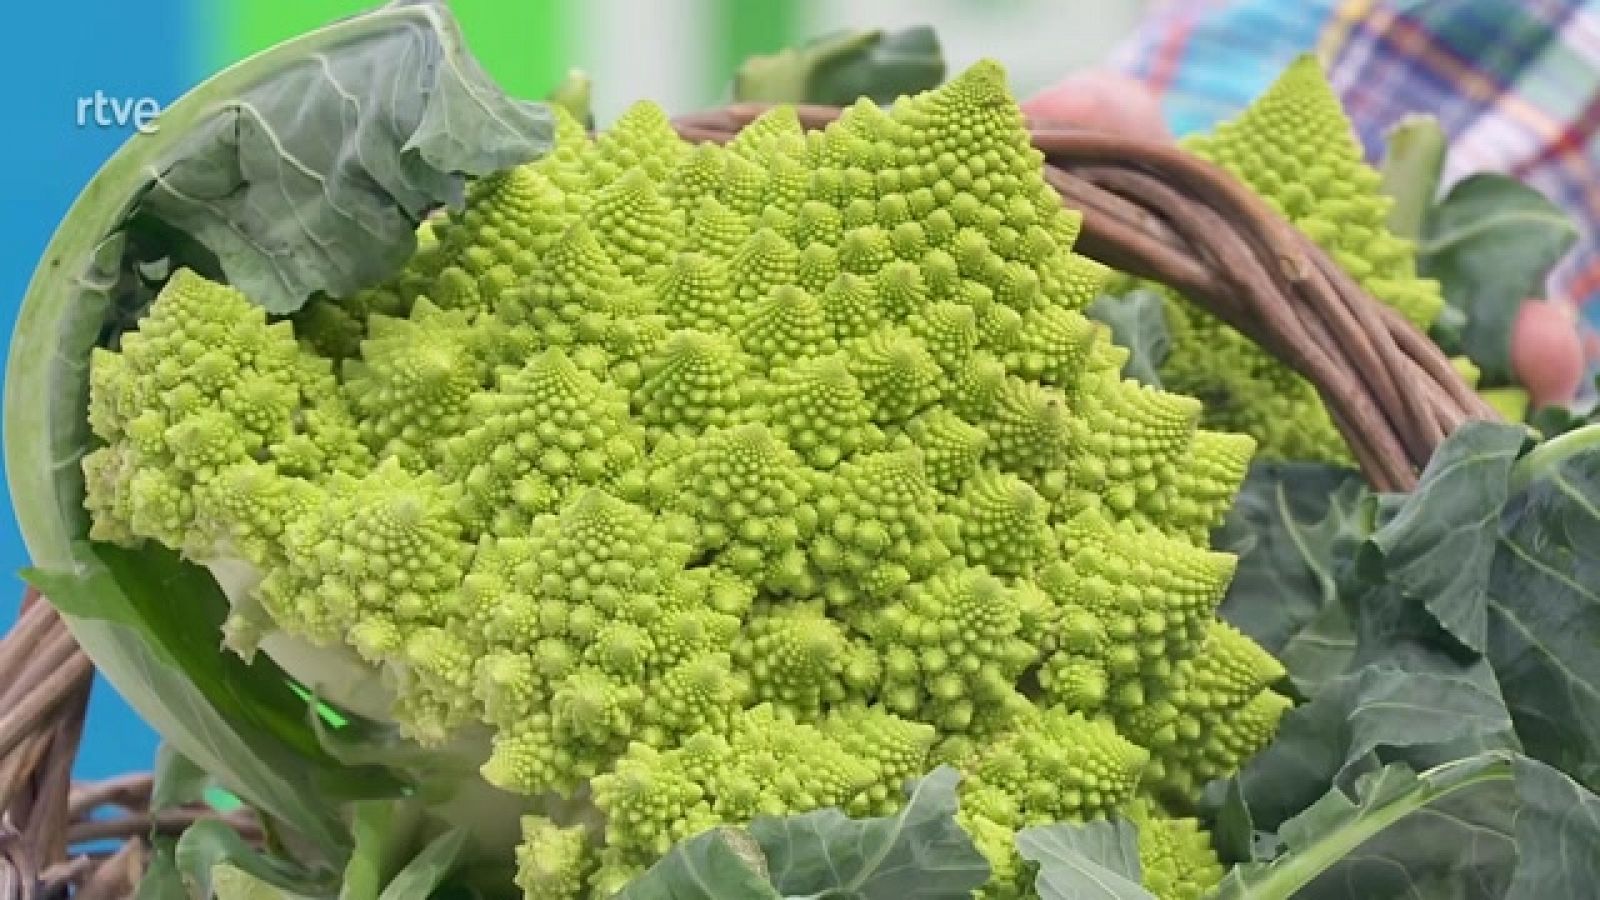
[1445, 833]
[1439, 546]
[1558, 835]
[209, 847]
[838, 68]
[302, 169]
[428, 869]
[1495, 826]
[1093, 861]
[1294, 527]
[1544, 614]
[1491, 243]
[920, 853]
[1377, 715]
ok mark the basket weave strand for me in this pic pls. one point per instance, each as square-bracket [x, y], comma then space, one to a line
[1149, 209]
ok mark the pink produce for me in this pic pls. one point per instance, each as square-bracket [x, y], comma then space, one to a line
[1103, 101]
[1547, 355]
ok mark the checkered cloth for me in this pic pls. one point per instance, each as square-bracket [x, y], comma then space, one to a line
[1514, 83]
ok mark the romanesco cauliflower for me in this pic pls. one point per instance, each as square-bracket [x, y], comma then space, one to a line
[722, 481]
[1295, 148]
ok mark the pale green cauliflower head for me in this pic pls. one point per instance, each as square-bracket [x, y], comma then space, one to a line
[720, 481]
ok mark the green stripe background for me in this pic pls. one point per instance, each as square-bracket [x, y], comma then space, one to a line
[527, 45]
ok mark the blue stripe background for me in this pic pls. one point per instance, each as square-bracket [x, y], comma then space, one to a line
[57, 53]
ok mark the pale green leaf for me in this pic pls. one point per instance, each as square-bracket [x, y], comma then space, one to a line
[1093, 861]
[920, 853]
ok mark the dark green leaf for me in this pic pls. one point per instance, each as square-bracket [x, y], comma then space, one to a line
[1378, 714]
[1294, 526]
[429, 869]
[920, 853]
[1491, 243]
[153, 625]
[1544, 615]
[210, 843]
[1093, 861]
[721, 864]
[1233, 831]
[1445, 833]
[1558, 835]
[838, 68]
[1440, 545]
[1138, 321]
[1553, 421]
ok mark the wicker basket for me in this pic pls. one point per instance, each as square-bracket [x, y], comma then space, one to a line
[1149, 209]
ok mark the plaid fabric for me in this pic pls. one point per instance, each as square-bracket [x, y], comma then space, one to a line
[1514, 83]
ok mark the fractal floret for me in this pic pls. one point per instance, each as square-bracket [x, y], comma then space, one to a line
[713, 482]
[1295, 147]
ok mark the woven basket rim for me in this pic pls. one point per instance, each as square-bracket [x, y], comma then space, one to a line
[1149, 209]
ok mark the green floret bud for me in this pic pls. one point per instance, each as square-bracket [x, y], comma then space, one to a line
[765, 260]
[694, 293]
[1176, 860]
[642, 138]
[851, 305]
[786, 326]
[817, 408]
[951, 647]
[897, 373]
[1030, 428]
[636, 226]
[1296, 148]
[817, 223]
[774, 132]
[880, 527]
[950, 331]
[410, 388]
[553, 862]
[816, 270]
[718, 231]
[566, 300]
[1218, 711]
[206, 383]
[800, 660]
[951, 448]
[547, 429]
[694, 381]
[898, 748]
[749, 498]
[696, 178]
[1058, 766]
[1053, 346]
[1005, 524]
